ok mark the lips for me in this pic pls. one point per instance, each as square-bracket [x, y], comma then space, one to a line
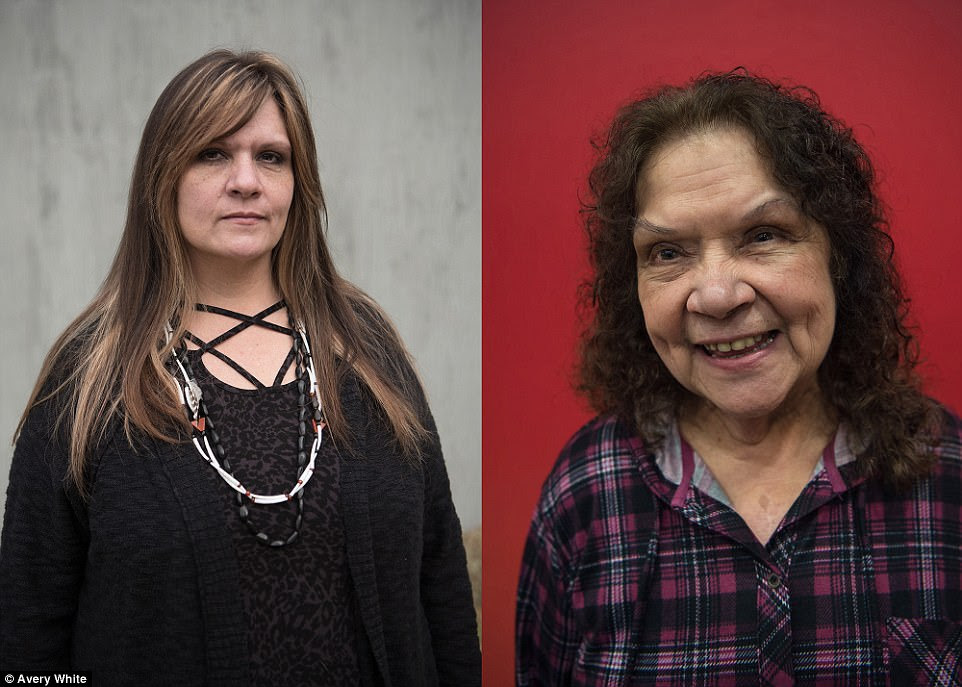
[736, 348]
[244, 215]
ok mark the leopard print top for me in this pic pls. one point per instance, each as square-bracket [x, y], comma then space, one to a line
[297, 599]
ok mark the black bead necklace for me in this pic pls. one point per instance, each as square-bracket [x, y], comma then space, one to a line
[207, 441]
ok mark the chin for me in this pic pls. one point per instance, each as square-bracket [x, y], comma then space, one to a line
[245, 254]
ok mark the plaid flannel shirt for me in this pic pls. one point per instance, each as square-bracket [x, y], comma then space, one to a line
[637, 572]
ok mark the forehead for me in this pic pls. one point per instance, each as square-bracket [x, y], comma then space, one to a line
[266, 119]
[702, 170]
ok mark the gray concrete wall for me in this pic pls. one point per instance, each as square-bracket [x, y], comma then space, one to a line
[395, 93]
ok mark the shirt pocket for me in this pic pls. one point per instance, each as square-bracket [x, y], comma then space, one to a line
[921, 651]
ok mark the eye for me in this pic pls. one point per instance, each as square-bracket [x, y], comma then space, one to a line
[272, 157]
[210, 155]
[763, 235]
[662, 253]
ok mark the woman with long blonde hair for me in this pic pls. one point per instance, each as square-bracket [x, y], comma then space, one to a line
[227, 472]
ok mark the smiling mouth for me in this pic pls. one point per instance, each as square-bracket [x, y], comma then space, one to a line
[739, 347]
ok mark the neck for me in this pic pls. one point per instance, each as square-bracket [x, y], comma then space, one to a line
[762, 464]
[246, 289]
[759, 440]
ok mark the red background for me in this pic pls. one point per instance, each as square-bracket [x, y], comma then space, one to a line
[554, 73]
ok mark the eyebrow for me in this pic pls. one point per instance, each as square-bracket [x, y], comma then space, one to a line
[642, 223]
[753, 214]
[282, 143]
[759, 211]
[278, 143]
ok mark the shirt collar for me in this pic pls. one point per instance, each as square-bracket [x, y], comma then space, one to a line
[681, 465]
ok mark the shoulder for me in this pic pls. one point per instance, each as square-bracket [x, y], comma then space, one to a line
[40, 467]
[597, 469]
[381, 338]
[603, 446]
[950, 441]
[944, 484]
[382, 345]
[53, 395]
[48, 412]
[595, 508]
[945, 473]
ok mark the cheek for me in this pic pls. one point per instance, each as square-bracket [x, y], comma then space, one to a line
[285, 195]
[811, 310]
[826, 326]
[190, 200]
[662, 306]
[662, 312]
[186, 216]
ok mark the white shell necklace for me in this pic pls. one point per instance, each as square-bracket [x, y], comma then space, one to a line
[207, 443]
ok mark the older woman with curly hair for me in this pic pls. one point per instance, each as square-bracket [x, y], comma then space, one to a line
[766, 497]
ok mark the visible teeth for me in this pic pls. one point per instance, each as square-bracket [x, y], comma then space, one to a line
[736, 345]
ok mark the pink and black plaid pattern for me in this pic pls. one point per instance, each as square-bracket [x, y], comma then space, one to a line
[620, 587]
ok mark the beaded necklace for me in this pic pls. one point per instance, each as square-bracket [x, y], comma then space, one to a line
[206, 440]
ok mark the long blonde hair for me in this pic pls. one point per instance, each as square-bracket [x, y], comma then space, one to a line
[111, 359]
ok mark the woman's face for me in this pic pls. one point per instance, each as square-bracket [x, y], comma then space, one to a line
[233, 200]
[733, 279]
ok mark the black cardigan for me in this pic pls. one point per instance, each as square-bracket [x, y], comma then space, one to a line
[139, 584]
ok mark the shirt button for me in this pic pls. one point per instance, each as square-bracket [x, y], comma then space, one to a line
[774, 581]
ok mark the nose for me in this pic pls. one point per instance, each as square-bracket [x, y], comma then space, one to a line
[719, 289]
[243, 178]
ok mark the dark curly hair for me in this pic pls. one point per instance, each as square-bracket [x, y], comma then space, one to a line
[868, 372]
